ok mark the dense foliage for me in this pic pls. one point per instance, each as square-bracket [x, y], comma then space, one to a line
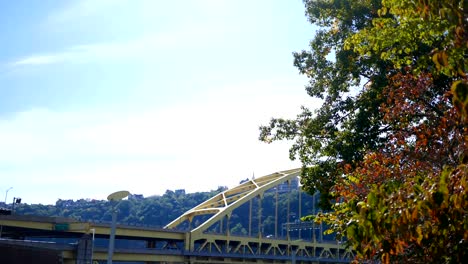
[154, 211]
[389, 145]
[349, 122]
[158, 211]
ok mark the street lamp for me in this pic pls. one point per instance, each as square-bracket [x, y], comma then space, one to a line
[114, 198]
[93, 230]
[6, 194]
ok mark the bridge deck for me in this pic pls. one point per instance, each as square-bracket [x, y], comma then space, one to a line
[208, 248]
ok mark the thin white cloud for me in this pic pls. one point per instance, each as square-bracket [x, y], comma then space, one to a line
[92, 52]
[40, 59]
[146, 39]
[142, 48]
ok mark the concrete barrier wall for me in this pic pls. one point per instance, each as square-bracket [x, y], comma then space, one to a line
[17, 254]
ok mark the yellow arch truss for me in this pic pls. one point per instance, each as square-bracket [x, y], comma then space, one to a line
[224, 203]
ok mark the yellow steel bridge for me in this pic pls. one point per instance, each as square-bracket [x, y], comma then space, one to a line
[195, 244]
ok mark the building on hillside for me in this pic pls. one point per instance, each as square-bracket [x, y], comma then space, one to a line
[180, 192]
[286, 187]
[136, 196]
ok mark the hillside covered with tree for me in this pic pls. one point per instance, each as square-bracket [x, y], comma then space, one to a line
[154, 211]
[158, 211]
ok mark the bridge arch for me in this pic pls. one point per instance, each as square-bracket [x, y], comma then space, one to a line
[224, 203]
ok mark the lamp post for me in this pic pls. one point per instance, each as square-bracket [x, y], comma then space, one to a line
[6, 194]
[114, 198]
[93, 230]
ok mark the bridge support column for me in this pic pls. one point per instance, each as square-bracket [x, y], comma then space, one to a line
[221, 225]
[228, 224]
[189, 244]
[276, 212]
[260, 198]
[151, 243]
[300, 208]
[288, 212]
[250, 217]
[84, 250]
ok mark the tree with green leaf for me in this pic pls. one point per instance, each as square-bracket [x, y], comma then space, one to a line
[389, 143]
[348, 122]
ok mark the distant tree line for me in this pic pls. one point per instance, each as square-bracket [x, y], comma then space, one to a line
[158, 211]
[152, 211]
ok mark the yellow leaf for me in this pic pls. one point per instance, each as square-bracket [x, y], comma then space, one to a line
[435, 59]
[385, 258]
[460, 91]
[444, 57]
[420, 236]
[414, 215]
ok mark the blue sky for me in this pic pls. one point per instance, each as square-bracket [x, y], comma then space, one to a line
[105, 95]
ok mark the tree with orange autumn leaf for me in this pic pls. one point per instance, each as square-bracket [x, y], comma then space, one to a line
[392, 155]
[407, 201]
[424, 135]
